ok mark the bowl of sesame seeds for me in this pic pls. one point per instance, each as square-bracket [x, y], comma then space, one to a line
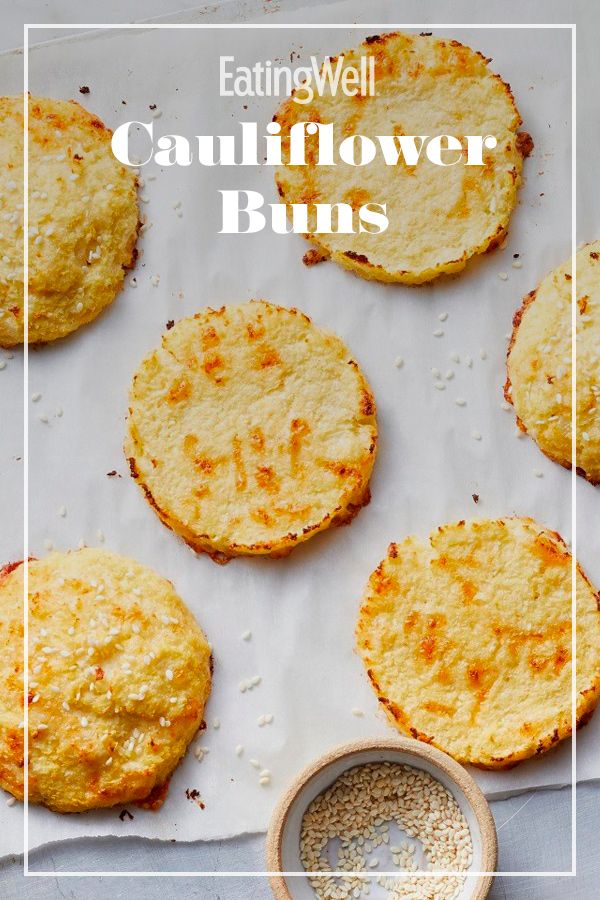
[382, 818]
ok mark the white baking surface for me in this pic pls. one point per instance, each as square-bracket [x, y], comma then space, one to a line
[301, 610]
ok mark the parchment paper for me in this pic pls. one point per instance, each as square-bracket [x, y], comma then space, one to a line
[301, 610]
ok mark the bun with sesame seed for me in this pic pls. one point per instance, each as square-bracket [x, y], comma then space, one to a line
[119, 675]
[539, 364]
[83, 219]
[439, 216]
[467, 638]
[250, 430]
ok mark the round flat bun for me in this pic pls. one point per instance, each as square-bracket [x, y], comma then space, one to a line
[83, 219]
[467, 640]
[439, 216]
[539, 364]
[250, 430]
[119, 674]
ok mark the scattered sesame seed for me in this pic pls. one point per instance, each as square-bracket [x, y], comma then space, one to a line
[505, 405]
[216, 723]
[449, 375]
[538, 473]
[483, 354]
[35, 397]
[439, 386]
[84, 722]
[246, 635]
[43, 418]
[398, 362]
[439, 332]
[239, 750]
[357, 712]
[469, 361]
[443, 316]
[517, 264]
[455, 357]
[100, 536]
[503, 276]
[169, 675]
[133, 281]
[476, 435]
[62, 511]
[2, 364]
[11, 801]
[255, 763]
[155, 280]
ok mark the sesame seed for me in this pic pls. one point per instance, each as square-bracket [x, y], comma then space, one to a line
[476, 435]
[239, 750]
[439, 332]
[455, 357]
[255, 763]
[35, 397]
[538, 473]
[357, 810]
[505, 405]
[398, 362]
[357, 712]
[246, 635]
[469, 362]
[517, 264]
[483, 354]
[169, 675]
[460, 401]
[11, 801]
[443, 316]
[503, 276]
[84, 722]
[62, 511]
[265, 780]
[133, 281]
[216, 723]
[439, 386]
[2, 364]
[155, 280]
[449, 375]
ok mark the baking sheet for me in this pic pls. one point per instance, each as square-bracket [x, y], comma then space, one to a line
[301, 610]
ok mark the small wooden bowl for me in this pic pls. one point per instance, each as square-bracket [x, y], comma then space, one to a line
[283, 838]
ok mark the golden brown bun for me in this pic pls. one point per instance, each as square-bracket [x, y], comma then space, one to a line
[119, 674]
[466, 639]
[83, 219]
[439, 216]
[250, 430]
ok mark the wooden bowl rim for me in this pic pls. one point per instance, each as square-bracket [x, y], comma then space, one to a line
[457, 773]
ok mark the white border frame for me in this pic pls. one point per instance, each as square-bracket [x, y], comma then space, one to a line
[361, 25]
